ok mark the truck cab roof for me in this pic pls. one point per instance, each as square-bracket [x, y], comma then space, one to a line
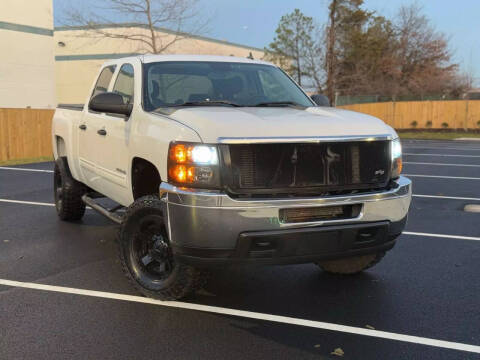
[149, 58]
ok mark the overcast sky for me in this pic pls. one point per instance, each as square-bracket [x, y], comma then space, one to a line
[253, 22]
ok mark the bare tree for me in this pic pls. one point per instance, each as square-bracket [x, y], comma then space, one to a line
[423, 53]
[145, 20]
[314, 60]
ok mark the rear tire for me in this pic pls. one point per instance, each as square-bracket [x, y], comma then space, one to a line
[67, 192]
[351, 265]
[146, 255]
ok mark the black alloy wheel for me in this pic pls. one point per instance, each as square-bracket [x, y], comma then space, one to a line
[146, 255]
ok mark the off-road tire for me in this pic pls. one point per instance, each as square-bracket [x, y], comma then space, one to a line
[351, 265]
[67, 192]
[183, 279]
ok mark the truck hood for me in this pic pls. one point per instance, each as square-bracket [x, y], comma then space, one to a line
[213, 123]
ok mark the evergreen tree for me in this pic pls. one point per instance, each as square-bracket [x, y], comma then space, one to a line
[292, 42]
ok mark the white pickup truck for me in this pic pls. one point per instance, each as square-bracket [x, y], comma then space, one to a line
[222, 160]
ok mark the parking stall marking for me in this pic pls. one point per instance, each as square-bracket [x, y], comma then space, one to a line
[420, 142]
[414, 195]
[441, 236]
[446, 236]
[25, 169]
[440, 148]
[449, 155]
[250, 315]
[31, 203]
[26, 202]
[405, 162]
[446, 197]
[439, 164]
[443, 177]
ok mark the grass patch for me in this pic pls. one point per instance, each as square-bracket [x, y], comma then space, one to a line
[437, 135]
[26, 161]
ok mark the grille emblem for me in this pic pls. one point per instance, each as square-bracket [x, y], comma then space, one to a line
[294, 158]
[380, 172]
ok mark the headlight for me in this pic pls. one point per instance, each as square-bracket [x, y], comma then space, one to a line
[396, 151]
[195, 165]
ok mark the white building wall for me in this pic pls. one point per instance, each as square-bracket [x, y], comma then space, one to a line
[27, 60]
[79, 56]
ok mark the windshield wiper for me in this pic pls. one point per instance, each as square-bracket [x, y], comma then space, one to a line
[278, 103]
[207, 102]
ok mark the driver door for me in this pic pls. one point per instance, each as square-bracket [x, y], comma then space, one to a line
[114, 145]
[88, 135]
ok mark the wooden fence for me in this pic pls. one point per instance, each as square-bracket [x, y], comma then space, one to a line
[453, 114]
[25, 133]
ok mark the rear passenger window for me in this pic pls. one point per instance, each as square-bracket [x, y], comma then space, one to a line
[124, 83]
[104, 80]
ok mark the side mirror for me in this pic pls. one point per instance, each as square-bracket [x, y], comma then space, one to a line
[110, 102]
[320, 100]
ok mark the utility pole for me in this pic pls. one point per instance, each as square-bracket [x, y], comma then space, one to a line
[297, 51]
[330, 56]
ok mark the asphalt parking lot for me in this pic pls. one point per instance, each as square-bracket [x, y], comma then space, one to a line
[421, 302]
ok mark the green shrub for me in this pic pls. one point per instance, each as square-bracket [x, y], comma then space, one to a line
[478, 123]
[413, 124]
[428, 124]
[444, 125]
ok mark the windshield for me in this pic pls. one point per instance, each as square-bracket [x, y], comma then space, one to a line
[218, 83]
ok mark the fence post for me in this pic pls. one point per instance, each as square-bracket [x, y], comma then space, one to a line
[394, 125]
[465, 123]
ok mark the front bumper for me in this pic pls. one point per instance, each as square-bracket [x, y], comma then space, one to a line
[209, 227]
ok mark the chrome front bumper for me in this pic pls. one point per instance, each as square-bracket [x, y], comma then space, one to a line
[213, 220]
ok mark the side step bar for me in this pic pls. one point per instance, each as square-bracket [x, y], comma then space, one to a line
[109, 213]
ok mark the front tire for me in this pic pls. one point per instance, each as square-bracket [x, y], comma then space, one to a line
[146, 255]
[351, 265]
[67, 192]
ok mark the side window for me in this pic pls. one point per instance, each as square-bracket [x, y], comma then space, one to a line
[104, 80]
[125, 83]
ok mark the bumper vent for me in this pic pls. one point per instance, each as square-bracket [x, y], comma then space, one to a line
[324, 213]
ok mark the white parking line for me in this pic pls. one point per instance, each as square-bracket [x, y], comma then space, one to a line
[26, 202]
[452, 155]
[31, 203]
[440, 148]
[441, 236]
[446, 197]
[24, 169]
[443, 177]
[405, 232]
[464, 145]
[439, 164]
[250, 315]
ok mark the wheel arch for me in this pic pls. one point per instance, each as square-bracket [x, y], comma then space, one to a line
[145, 178]
[60, 146]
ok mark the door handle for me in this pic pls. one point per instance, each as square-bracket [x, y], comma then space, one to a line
[102, 132]
[83, 127]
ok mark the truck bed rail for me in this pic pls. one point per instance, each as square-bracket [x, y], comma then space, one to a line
[76, 107]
